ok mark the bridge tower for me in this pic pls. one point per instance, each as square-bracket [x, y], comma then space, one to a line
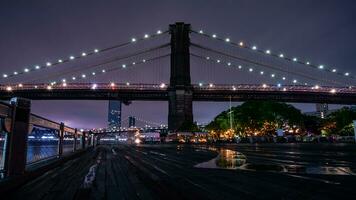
[180, 92]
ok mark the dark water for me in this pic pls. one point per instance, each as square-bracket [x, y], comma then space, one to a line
[37, 152]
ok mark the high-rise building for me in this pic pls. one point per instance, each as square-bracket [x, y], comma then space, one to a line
[114, 114]
[322, 109]
[132, 121]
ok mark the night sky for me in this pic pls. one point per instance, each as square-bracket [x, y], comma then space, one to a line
[34, 31]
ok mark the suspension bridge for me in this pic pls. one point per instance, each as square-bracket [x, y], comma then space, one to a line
[188, 66]
[179, 65]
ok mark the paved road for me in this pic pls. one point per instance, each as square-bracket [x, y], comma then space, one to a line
[268, 171]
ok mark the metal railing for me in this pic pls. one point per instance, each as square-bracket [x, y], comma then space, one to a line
[40, 147]
[162, 86]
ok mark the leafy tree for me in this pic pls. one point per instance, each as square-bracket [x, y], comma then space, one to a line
[258, 117]
[340, 122]
[313, 124]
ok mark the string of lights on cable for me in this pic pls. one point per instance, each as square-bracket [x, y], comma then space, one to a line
[64, 82]
[101, 64]
[246, 60]
[248, 69]
[283, 87]
[103, 71]
[83, 54]
[269, 52]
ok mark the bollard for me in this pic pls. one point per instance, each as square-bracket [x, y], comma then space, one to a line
[75, 140]
[83, 140]
[92, 140]
[60, 139]
[15, 161]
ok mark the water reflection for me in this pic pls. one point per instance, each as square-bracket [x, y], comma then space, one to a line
[230, 159]
[227, 159]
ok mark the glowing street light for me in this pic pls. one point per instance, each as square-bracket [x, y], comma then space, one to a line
[163, 85]
[94, 86]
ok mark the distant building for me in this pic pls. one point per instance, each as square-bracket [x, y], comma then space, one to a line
[132, 121]
[322, 109]
[114, 114]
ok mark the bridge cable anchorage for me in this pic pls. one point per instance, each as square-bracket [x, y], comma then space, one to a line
[263, 64]
[116, 59]
[253, 48]
[66, 85]
[84, 54]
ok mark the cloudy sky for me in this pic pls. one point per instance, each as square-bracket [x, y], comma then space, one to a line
[38, 30]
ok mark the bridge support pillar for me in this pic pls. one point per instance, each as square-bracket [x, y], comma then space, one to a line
[180, 92]
[60, 139]
[15, 160]
[180, 109]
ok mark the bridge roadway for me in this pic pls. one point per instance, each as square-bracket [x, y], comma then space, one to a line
[159, 92]
[270, 171]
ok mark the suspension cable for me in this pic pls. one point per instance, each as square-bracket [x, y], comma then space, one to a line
[85, 54]
[116, 59]
[254, 49]
[263, 64]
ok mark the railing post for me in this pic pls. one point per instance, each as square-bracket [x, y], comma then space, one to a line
[83, 140]
[17, 141]
[91, 139]
[94, 140]
[75, 140]
[60, 139]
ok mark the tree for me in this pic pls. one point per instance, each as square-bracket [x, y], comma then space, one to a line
[258, 118]
[340, 122]
[313, 124]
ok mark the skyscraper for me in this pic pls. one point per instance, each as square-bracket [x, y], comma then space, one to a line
[132, 121]
[322, 109]
[114, 114]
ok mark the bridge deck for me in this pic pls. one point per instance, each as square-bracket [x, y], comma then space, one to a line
[154, 92]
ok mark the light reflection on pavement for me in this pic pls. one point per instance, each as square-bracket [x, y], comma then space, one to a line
[234, 160]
